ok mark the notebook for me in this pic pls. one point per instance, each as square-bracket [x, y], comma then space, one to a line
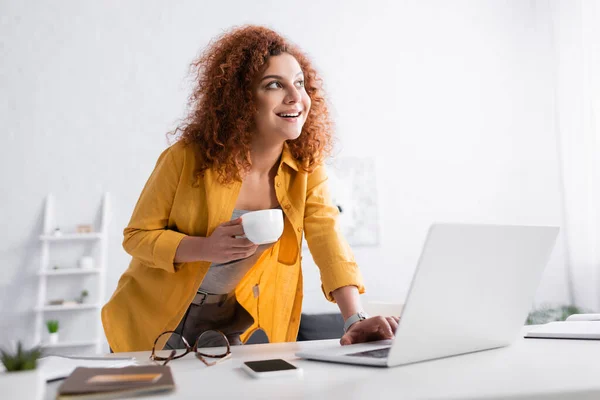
[111, 383]
[572, 329]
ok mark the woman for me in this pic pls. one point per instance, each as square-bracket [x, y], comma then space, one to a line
[255, 139]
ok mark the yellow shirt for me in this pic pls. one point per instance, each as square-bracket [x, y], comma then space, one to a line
[154, 293]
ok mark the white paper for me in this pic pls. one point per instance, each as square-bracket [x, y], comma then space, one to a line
[567, 330]
[56, 367]
[584, 317]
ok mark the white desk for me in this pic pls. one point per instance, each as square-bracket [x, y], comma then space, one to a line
[528, 369]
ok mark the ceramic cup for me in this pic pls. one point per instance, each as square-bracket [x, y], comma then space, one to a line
[86, 262]
[263, 226]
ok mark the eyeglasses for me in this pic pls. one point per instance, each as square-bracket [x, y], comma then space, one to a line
[208, 345]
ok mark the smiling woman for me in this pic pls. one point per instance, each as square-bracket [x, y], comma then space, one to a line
[244, 78]
[281, 100]
[256, 138]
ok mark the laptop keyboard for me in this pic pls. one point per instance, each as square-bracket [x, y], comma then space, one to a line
[379, 353]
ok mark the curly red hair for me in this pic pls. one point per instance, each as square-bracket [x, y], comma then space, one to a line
[220, 123]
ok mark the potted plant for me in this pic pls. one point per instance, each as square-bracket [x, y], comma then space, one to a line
[52, 326]
[549, 313]
[82, 296]
[21, 378]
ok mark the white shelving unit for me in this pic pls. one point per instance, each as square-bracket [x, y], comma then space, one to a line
[70, 271]
[80, 343]
[68, 307]
[72, 236]
[47, 275]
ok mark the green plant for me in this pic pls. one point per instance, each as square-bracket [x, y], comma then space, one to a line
[548, 313]
[82, 296]
[22, 360]
[52, 325]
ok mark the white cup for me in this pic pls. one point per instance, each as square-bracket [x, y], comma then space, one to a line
[263, 226]
[86, 262]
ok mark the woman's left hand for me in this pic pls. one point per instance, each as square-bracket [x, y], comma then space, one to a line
[370, 329]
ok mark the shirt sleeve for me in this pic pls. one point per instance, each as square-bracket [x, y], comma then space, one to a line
[147, 236]
[327, 245]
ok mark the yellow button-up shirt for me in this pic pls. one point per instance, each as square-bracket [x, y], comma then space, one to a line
[154, 293]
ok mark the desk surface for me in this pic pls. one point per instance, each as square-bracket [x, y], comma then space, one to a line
[528, 369]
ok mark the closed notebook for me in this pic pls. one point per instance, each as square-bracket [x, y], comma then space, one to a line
[111, 383]
[570, 329]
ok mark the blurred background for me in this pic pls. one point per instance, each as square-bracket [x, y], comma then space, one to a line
[445, 111]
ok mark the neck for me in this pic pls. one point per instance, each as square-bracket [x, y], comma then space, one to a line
[265, 157]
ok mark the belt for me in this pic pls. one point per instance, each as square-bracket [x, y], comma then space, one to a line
[209, 298]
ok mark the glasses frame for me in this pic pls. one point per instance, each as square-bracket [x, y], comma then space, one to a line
[189, 349]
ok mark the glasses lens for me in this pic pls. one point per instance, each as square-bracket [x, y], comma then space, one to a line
[175, 342]
[212, 343]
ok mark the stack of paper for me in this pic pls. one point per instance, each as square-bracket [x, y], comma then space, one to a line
[57, 367]
[572, 329]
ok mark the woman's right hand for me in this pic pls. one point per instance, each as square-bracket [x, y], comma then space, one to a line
[227, 243]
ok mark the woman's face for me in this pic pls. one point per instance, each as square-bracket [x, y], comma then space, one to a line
[281, 101]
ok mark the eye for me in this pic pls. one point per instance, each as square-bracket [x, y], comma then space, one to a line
[273, 85]
[300, 83]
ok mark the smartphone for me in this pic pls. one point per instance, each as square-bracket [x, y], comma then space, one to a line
[271, 368]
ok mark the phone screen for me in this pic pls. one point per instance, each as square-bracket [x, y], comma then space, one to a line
[269, 365]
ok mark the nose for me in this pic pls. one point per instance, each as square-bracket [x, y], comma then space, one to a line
[292, 96]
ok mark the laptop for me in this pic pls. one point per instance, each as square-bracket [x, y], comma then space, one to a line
[472, 290]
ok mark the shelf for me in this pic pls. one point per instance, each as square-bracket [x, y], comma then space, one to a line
[72, 236]
[70, 271]
[79, 343]
[68, 308]
[53, 277]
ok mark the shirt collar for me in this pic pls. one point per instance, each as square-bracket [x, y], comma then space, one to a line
[287, 158]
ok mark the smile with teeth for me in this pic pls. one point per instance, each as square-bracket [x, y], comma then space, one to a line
[289, 115]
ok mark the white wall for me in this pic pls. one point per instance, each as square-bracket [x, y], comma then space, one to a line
[455, 101]
[577, 42]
